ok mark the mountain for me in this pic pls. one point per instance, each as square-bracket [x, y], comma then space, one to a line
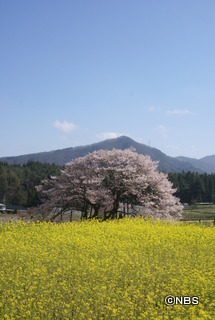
[166, 163]
[209, 159]
[206, 164]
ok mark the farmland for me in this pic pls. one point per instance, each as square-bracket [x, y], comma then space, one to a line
[120, 269]
[192, 213]
[203, 212]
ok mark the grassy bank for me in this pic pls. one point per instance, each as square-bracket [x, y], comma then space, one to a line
[199, 212]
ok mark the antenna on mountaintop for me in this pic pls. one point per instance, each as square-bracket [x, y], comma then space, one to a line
[149, 143]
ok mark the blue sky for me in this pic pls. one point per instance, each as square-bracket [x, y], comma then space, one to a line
[78, 72]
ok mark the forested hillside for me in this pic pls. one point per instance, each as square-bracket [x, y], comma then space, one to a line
[17, 183]
[194, 187]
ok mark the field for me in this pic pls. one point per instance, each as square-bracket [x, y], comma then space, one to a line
[198, 212]
[193, 213]
[119, 269]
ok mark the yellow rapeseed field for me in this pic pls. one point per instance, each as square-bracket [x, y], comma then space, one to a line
[119, 269]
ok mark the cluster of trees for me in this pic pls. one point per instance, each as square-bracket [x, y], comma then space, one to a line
[17, 183]
[111, 183]
[193, 187]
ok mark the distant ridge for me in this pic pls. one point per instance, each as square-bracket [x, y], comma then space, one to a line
[166, 163]
[206, 164]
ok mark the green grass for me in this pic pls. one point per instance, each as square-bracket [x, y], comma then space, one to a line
[199, 212]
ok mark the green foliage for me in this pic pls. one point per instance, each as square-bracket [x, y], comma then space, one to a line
[17, 183]
[194, 187]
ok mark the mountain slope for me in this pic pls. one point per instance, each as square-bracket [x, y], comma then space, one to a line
[209, 159]
[206, 164]
[166, 163]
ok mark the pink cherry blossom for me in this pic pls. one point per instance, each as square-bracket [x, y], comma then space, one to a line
[111, 183]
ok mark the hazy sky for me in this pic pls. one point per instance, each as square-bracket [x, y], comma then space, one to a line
[75, 72]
